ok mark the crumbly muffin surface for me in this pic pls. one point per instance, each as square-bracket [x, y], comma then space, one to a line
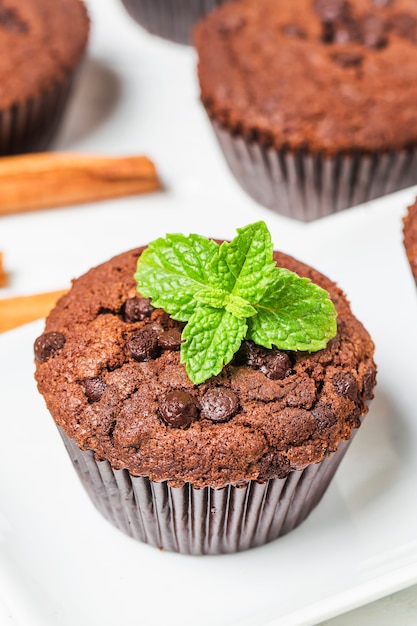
[315, 75]
[108, 367]
[41, 43]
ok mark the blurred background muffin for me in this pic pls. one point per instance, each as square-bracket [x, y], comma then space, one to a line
[41, 45]
[313, 101]
[171, 19]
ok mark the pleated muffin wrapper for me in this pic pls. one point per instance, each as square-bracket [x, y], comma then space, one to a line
[310, 186]
[30, 125]
[203, 521]
[170, 19]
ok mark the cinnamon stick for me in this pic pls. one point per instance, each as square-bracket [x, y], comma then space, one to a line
[20, 310]
[54, 179]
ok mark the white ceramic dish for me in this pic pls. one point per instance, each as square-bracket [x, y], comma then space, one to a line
[61, 563]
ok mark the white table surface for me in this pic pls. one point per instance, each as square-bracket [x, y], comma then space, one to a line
[110, 113]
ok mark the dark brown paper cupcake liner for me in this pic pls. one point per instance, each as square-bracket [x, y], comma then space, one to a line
[305, 186]
[30, 126]
[171, 19]
[203, 521]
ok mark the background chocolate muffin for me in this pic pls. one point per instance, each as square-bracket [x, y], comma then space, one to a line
[41, 46]
[215, 467]
[171, 19]
[313, 101]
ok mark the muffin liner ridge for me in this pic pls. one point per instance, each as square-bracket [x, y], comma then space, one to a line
[203, 521]
[171, 19]
[309, 186]
[30, 125]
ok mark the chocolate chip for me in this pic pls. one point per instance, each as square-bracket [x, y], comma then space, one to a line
[170, 339]
[251, 354]
[354, 418]
[274, 465]
[93, 388]
[337, 24]
[178, 408]
[373, 31]
[325, 417]
[48, 345]
[330, 10]
[10, 20]
[219, 404]
[273, 363]
[346, 385]
[292, 30]
[369, 382]
[328, 33]
[405, 25]
[137, 309]
[143, 345]
[277, 365]
[346, 31]
[347, 59]
[167, 322]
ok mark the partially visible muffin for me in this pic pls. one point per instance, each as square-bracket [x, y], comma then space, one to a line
[41, 46]
[313, 101]
[220, 466]
[410, 238]
[170, 19]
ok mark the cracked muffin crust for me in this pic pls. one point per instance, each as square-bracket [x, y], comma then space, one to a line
[108, 367]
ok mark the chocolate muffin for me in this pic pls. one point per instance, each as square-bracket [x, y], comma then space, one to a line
[410, 238]
[41, 46]
[170, 19]
[221, 466]
[313, 101]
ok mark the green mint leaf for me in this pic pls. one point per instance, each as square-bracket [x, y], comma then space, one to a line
[230, 292]
[239, 306]
[172, 270]
[212, 296]
[294, 314]
[244, 266]
[212, 336]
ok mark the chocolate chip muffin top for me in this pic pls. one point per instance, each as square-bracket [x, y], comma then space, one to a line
[319, 75]
[410, 237]
[41, 43]
[108, 366]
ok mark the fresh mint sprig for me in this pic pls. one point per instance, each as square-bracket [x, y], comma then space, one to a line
[230, 292]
